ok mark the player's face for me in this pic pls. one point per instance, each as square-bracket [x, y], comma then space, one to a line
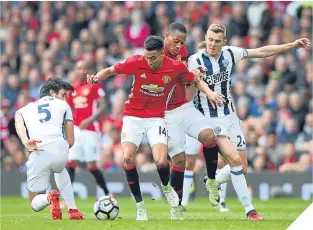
[215, 42]
[81, 71]
[62, 94]
[154, 58]
[174, 42]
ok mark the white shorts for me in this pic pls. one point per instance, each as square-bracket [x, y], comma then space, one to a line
[40, 164]
[184, 119]
[229, 126]
[86, 146]
[134, 128]
[192, 146]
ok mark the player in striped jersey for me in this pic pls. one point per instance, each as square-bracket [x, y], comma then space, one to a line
[219, 60]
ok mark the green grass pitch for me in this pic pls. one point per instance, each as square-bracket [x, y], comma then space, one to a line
[16, 214]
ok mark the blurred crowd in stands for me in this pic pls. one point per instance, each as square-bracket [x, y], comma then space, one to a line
[273, 96]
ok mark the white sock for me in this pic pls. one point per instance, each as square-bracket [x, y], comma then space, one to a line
[222, 192]
[241, 188]
[188, 179]
[64, 185]
[39, 202]
[223, 176]
[140, 204]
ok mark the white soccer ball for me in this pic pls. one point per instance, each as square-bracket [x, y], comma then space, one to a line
[106, 208]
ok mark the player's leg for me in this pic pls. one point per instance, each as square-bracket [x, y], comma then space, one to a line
[201, 129]
[224, 174]
[222, 188]
[91, 151]
[93, 169]
[38, 176]
[131, 137]
[64, 185]
[62, 179]
[176, 146]
[157, 135]
[192, 149]
[229, 151]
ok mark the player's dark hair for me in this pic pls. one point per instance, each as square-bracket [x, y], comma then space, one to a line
[154, 42]
[177, 27]
[55, 84]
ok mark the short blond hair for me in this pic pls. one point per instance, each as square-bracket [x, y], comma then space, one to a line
[201, 45]
[217, 28]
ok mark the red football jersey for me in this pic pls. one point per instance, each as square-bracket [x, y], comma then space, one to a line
[83, 100]
[151, 88]
[179, 95]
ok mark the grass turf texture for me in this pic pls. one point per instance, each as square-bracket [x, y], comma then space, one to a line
[16, 213]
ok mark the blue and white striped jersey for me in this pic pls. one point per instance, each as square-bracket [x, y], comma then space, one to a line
[217, 77]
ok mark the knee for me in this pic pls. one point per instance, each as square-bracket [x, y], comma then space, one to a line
[234, 160]
[179, 160]
[244, 168]
[190, 163]
[161, 163]
[207, 137]
[91, 166]
[71, 164]
[129, 160]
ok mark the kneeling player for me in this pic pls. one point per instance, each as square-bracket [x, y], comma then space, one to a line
[40, 127]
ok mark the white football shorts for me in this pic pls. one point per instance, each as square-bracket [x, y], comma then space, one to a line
[134, 128]
[86, 146]
[40, 164]
[185, 119]
[229, 126]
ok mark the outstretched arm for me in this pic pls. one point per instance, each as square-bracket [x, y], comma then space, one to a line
[267, 51]
[101, 75]
[127, 66]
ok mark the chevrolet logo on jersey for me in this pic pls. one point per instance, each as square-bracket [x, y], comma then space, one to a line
[217, 78]
[153, 88]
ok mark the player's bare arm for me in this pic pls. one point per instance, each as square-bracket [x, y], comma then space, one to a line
[215, 98]
[101, 75]
[101, 103]
[267, 51]
[30, 145]
[198, 75]
[69, 132]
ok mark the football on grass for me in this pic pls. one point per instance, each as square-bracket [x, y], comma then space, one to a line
[106, 208]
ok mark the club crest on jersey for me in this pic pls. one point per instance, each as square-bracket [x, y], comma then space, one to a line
[153, 88]
[85, 92]
[225, 63]
[179, 58]
[166, 79]
[217, 130]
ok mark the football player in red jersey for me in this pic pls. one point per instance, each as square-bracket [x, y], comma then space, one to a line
[155, 77]
[83, 102]
[182, 117]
